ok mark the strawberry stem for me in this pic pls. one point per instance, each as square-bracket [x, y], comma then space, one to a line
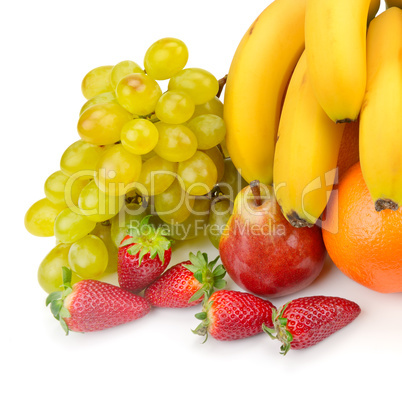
[202, 328]
[209, 275]
[146, 239]
[280, 330]
[56, 299]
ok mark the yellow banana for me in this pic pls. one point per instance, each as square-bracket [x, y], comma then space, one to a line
[336, 55]
[381, 115]
[256, 84]
[306, 153]
[393, 3]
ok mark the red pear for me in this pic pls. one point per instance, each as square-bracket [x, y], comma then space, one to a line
[262, 252]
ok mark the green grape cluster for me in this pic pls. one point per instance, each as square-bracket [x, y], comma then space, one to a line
[141, 151]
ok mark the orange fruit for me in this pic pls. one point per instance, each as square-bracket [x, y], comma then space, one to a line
[363, 243]
[349, 149]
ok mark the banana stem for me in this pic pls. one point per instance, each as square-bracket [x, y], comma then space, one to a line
[255, 188]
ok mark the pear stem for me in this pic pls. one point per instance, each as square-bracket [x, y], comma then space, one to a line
[255, 188]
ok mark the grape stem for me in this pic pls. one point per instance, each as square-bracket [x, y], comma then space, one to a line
[135, 199]
[222, 83]
[255, 188]
[151, 117]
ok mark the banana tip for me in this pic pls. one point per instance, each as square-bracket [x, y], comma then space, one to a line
[345, 121]
[297, 222]
[385, 203]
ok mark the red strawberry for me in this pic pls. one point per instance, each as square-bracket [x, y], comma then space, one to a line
[230, 315]
[185, 284]
[91, 305]
[143, 255]
[306, 321]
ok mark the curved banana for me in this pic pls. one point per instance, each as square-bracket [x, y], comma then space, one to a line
[336, 55]
[256, 84]
[381, 115]
[306, 154]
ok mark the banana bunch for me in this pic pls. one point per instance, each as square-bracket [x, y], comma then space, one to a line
[309, 77]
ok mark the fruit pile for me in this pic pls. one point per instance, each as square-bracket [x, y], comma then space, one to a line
[155, 167]
[324, 97]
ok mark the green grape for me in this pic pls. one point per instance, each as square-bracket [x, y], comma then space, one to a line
[165, 58]
[176, 143]
[174, 205]
[198, 174]
[220, 212]
[80, 156]
[50, 275]
[200, 84]
[63, 189]
[138, 93]
[54, 187]
[213, 106]
[174, 107]
[96, 82]
[209, 129]
[216, 155]
[40, 217]
[195, 225]
[122, 69]
[70, 226]
[117, 170]
[139, 136]
[103, 231]
[231, 182]
[101, 124]
[98, 206]
[106, 97]
[73, 189]
[88, 257]
[157, 174]
[131, 215]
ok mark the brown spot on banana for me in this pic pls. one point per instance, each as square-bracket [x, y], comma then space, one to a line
[251, 29]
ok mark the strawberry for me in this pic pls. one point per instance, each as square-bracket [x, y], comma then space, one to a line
[185, 284]
[143, 255]
[230, 315]
[91, 305]
[306, 321]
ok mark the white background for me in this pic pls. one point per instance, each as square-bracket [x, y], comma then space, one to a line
[47, 48]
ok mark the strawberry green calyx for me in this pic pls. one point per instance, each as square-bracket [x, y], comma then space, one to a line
[280, 331]
[209, 275]
[56, 300]
[210, 278]
[202, 328]
[147, 239]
